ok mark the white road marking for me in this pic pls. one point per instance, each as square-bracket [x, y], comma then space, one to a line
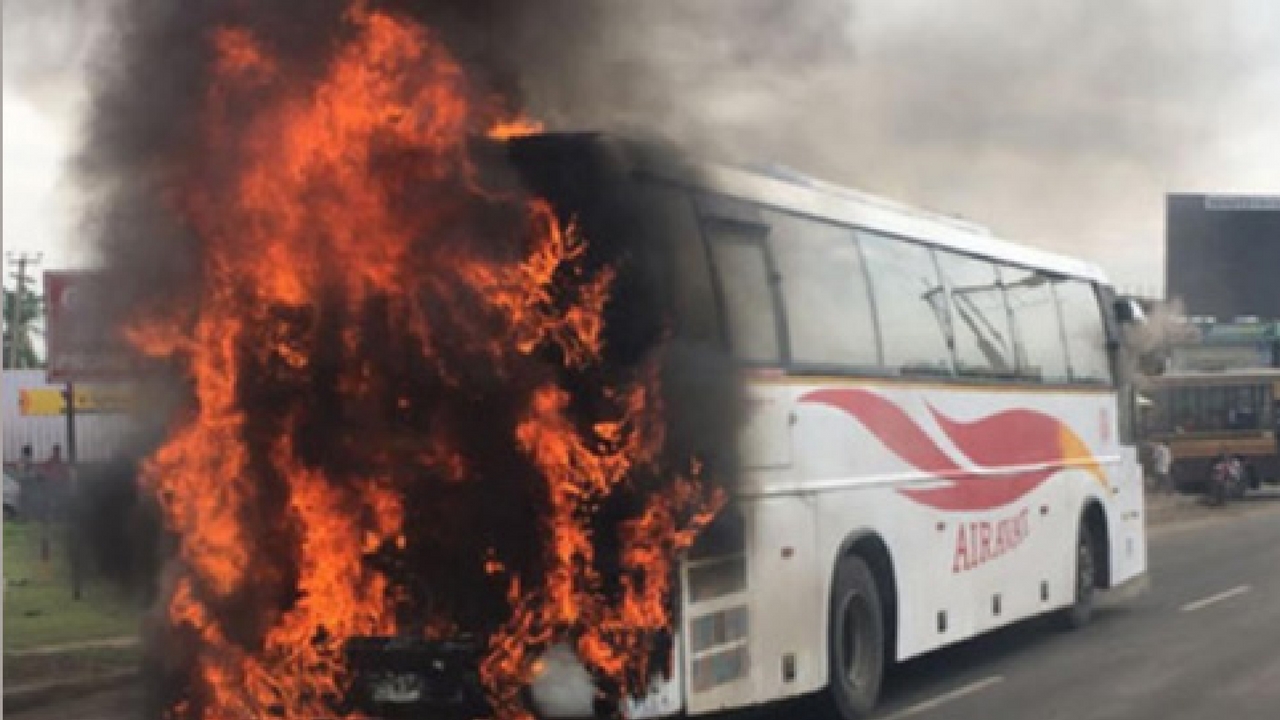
[960, 692]
[1224, 595]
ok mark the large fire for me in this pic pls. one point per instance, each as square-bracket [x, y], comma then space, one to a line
[389, 356]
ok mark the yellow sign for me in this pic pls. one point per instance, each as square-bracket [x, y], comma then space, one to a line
[89, 399]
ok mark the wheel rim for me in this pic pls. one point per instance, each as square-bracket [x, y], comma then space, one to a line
[855, 616]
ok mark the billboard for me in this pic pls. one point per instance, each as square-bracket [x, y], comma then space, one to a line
[1222, 253]
[43, 401]
[81, 345]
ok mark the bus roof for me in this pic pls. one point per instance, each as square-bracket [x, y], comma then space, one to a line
[791, 191]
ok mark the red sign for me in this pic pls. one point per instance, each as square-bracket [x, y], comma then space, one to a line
[82, 344]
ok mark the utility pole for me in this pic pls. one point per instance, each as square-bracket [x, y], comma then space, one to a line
[73, 478]
[15, 310]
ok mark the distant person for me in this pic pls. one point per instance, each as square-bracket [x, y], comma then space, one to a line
[56, 477]
[28, 492]
[1161, 465]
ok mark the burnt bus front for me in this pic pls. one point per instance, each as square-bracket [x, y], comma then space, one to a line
[635, 204]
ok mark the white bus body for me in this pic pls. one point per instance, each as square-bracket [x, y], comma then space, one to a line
[965, 492]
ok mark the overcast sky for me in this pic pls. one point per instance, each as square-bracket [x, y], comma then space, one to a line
[1058, 123]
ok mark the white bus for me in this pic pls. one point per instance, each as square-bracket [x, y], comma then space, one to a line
[940, 439]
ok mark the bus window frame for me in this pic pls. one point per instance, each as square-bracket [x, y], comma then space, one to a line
[716, 210]
[951, 374]
[853, 370]
[1112, 381]
[696, 252]
[961, 371]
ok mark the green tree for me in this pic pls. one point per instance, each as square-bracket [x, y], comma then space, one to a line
[23, 330]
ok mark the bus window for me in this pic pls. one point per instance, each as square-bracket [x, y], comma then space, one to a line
[1159, 416]
[909, 304]
[1186, 409]
[1213, 406]
[1083, 328]
[1037, 326]
[670, 219]
[742, 268]
[980, 320]
[824, 292]
[1245, 407]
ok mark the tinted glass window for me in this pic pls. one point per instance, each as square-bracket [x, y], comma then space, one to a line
[979, 318]
[737, 250]
[910, 304]
[1086, 338]
[669, 220]
[1211, 408]
[1037, 327]
[824, 291]
[1186, 409]
[1243, 408]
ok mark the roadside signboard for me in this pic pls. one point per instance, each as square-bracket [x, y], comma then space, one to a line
[82, 346]
[92, 399]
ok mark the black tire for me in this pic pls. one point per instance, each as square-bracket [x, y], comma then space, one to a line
[855, 642]
[1080, 611]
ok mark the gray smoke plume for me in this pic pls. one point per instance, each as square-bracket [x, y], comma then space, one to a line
[1060, 124]
[1150, 344]
[46, 46]
[1056, 123]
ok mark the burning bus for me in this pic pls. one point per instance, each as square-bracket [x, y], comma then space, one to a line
[938, 439]
[481, 420]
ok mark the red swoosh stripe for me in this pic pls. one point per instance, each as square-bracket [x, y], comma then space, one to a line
[1012, 437]
[891, 425]
[987, 440]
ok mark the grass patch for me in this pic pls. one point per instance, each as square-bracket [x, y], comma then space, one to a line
[38, 605]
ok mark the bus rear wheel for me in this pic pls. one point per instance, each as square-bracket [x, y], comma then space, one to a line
[855, 641]
[1080, 611]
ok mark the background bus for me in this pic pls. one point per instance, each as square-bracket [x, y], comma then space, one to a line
[1199, 415]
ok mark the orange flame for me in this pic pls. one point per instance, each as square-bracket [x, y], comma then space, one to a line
[518, 127]
[307, 218]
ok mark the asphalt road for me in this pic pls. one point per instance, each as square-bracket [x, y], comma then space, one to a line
[1203, 643]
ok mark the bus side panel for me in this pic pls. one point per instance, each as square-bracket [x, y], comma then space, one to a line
[790, 593]
[962, 487]
[969, 561]
[1126, 519]
[854, 481]
[975, 493]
